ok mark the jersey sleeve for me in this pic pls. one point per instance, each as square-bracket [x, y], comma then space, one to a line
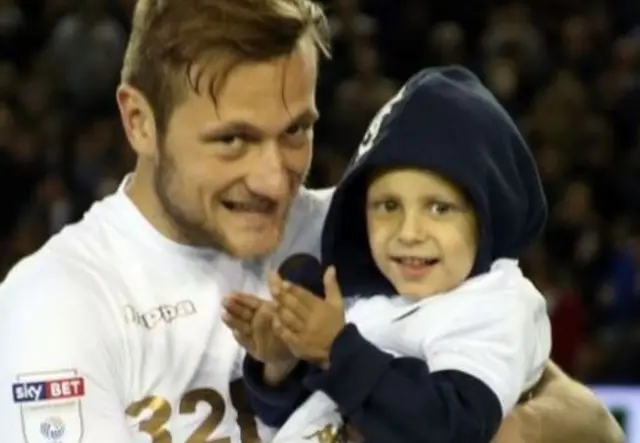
[59, 374]
[501, 339]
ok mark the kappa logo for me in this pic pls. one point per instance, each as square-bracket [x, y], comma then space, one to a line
[165, 314]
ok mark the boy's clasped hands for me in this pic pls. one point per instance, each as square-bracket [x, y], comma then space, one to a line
[296, 325]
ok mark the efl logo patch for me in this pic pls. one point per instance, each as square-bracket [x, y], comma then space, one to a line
[56, 389]
[51, 406]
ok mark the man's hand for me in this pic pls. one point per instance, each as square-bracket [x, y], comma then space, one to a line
[306, 323]
[560, 411]
[250, 319]
[520, 426]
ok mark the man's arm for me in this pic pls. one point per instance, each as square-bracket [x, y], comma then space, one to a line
[58, 374]
[561, 411]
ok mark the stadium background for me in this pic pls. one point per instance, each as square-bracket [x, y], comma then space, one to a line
[567, 70]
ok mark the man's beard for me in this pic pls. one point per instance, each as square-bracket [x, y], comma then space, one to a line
[189, 230]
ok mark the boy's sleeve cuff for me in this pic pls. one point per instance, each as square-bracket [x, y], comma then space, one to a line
[355, 367]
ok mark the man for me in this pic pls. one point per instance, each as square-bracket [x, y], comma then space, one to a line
[112, 331]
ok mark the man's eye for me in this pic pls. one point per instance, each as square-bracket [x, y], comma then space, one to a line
[228, 139]
[298, 130]
[294, 130]
[230, 144]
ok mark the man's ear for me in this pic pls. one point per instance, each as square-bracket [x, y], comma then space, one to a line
[138, 120]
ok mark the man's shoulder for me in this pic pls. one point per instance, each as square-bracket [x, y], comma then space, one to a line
[304, 226]
[72, 267]
[313, 202]
[55, 313]
[47, 282]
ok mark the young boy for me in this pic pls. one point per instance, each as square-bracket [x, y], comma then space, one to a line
[439, 203]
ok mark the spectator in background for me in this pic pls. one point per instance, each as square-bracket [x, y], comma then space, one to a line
[628, 177]
[624, 297]
[12, 28]
[566, 312]
[618, 305]
[447, 44]
[359, 97]
[97, 40]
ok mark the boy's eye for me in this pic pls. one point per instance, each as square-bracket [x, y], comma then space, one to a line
[441, 208]
[386, 206]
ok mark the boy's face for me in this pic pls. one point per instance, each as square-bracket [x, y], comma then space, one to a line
[422, 231]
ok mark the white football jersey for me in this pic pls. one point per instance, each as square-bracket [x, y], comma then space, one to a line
[493, 327]
[113, 333]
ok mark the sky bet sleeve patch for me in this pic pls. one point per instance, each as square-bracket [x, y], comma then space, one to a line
[50, 406]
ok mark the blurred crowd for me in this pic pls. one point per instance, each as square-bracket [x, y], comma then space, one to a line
[567, 70]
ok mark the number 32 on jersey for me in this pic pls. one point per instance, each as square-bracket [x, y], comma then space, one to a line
[161, 412]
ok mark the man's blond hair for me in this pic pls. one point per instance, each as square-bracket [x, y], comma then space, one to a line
[172, 40]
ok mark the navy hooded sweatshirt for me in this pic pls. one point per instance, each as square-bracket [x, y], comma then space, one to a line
[446, 121]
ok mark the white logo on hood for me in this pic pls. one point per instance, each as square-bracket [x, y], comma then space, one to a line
[374, 127]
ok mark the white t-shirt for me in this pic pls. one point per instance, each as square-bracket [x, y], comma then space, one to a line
[112, 333]
[493, 327]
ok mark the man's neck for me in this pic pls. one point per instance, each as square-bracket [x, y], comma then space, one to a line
[140, 191]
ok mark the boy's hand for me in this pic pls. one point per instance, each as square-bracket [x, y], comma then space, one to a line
[250, 319]
[306, 323]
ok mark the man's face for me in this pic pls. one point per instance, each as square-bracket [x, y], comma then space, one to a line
[226, 173]
[422, 231]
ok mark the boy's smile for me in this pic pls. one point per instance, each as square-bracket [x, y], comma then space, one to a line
[414, 268]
